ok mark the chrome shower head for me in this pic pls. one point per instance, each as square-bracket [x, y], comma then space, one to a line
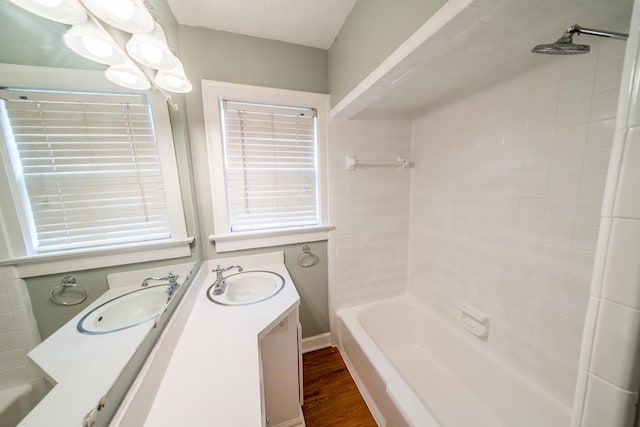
[563, 46]
[566, 46]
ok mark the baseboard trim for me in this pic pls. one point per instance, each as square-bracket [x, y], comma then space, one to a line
[316, 342]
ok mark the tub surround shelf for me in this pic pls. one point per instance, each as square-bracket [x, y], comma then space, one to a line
[217, 357]
[464, 46]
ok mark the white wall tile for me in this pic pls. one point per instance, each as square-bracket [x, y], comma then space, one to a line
[608, 405]
[10, 340]
[561, 210]
[5, 305]
[525, 253]
[578, 285]
[617, 329]
[567, 162]
[622, 268]
[588, 212]
[534, 186]
[610, 49]
[596, 161]
[627, 199]
[592, 187]
[18, 332]
[600, 133]
[570, 138]
[604, 105]
[608, 75]
[575, 111]
[564, 187]
[10, 359]
[536, 165]
[575, 63]
[7, 323]
[585, 237]
[613, 173]
[579, 84]
[559, 233]
[370, 209]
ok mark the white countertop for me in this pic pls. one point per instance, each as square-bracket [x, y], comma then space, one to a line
[213, 377]
[84, 367]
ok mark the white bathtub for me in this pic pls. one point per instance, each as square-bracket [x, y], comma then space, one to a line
[413, 369]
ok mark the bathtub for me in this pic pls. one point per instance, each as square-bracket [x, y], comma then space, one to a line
[414, 369]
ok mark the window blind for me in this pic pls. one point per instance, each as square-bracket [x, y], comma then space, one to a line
[270, 165]
[89, 165]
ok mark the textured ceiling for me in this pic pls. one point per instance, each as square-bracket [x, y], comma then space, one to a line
[312, 23]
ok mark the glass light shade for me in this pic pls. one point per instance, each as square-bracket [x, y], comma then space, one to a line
[94, 43]
[174, 80]
[127, 75]
[64, 11]
[151, 49]
[127, 15]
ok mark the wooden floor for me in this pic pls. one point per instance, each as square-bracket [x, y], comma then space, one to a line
[331, 398]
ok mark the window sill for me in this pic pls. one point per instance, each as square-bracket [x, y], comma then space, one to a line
[262, 239]
[84, 259]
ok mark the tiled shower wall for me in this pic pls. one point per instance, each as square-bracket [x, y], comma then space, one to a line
[18, 332]
[370, 210]
[505, 206]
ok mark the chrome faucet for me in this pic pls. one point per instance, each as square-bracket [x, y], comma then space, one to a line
[220, 285]
[171, 278]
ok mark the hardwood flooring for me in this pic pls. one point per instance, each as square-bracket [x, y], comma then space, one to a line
[331, 398]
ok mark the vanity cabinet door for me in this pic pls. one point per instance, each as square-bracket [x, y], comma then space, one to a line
[280, 359]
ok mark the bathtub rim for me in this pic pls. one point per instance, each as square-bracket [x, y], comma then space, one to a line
[398, 391]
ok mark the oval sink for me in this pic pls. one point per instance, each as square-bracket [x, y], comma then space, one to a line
[248, 287]
[125, 311]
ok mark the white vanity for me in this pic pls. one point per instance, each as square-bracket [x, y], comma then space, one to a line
[83, 367]
[224, 365]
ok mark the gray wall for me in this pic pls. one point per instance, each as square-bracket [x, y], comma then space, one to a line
[29, 40]
[206, 54]
[371, 32]
[235, 58]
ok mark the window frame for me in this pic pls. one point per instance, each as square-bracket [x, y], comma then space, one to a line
[226, 240]
[15, 251]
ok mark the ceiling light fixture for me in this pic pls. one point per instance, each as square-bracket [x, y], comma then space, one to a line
[128, 75]
[151, 49]
[63, 11]
[87, 39]
[174, 80]
[131, 16]
[92, 36]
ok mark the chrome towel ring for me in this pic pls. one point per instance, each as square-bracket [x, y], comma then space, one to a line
[306, 258]
[76, 294]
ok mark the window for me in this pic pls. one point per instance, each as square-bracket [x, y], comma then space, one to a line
[267, 159]
[87, 168]
[270, 165]
[86, 173]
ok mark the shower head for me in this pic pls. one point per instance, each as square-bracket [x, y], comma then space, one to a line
[565, 45]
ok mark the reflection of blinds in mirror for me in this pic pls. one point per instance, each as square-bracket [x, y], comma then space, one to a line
[89, 165]
[270, 165]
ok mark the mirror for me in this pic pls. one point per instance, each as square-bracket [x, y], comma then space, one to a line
[27, 314]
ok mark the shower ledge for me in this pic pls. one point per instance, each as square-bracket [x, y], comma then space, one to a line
[470, 44]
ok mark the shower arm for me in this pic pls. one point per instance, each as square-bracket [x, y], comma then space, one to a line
[577, 29]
